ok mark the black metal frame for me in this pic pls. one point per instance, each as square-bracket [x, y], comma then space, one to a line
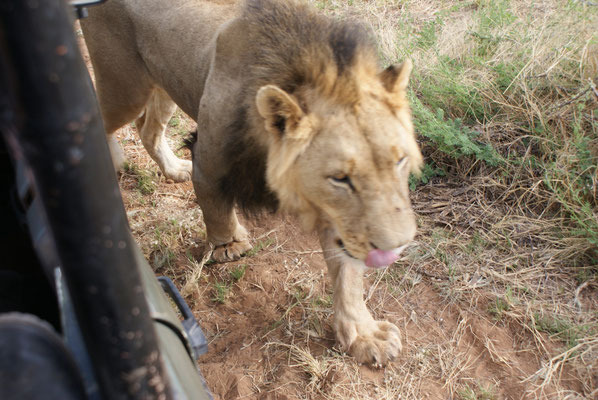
[51, 123]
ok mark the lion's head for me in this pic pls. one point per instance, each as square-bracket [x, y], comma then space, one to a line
[344, 164]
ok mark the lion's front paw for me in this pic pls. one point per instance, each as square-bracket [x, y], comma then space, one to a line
[179, 171]
[231, 251]
[376, 343]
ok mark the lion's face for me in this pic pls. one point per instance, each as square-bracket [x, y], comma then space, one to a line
[346, 168]
[356, 173]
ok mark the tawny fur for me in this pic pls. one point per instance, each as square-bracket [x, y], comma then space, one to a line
[293, 111]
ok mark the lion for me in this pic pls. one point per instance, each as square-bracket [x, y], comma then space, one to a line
[293, 113]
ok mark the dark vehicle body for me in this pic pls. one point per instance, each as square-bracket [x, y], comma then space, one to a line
[81, 313]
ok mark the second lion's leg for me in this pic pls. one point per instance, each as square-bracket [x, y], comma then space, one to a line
[369, 341]
[151, 126]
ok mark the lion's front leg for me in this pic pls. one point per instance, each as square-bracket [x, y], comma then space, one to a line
[229, 238]
[369, 341]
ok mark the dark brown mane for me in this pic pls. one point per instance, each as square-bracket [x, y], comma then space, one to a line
[244, 184]
[294, 47]
[297, 46]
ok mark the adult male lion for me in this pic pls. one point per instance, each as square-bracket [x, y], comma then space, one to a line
[293, 113]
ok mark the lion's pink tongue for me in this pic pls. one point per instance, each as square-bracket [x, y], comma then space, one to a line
[380, 258]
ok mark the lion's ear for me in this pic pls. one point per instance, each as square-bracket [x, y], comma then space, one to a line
[395, 78]
[280, 111]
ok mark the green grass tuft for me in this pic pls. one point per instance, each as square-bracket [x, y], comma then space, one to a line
[450, 136]
[221, 292]
[560, 328]
[263, 244]
[238, 272]
[145, 179]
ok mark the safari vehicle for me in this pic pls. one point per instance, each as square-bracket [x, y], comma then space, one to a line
[81, 314]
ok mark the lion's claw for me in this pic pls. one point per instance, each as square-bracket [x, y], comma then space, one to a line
[376, 344]
[231, 251]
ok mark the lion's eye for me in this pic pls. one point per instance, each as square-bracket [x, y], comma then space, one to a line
[342, 180]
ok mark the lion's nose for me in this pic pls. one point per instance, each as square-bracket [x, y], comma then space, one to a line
[385, 248]
[392, 247]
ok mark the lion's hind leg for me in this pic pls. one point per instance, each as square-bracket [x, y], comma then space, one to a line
[122, 84]
[369, 341]
[151, 126]
[119, 105]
